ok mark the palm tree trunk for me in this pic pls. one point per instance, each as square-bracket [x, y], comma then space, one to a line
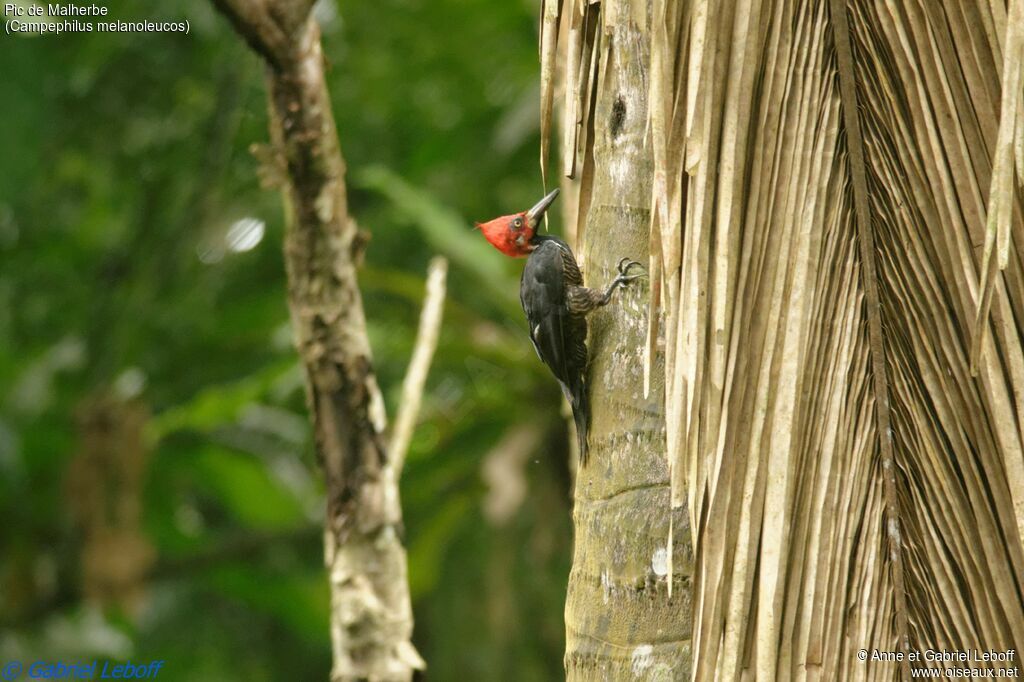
[620, 621]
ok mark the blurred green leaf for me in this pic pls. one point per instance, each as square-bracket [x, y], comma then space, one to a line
[246, 488]
[220, 404]
[301, 601]
[446, 232]
[427, 550]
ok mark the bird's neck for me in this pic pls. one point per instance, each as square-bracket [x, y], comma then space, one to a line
[539, 239]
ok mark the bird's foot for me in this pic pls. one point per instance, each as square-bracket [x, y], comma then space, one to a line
[623, 268]
[624, 278]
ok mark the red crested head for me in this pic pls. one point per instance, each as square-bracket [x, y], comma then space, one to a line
[513, 234]
[510, 234]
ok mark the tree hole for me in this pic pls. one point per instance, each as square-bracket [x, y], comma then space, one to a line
[618, 116]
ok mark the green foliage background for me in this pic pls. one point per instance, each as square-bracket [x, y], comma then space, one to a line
[125, 163]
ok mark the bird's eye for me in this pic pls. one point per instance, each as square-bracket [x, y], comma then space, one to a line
[517, 223]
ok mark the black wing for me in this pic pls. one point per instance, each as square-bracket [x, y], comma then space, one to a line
[542, 292]
[558, 336]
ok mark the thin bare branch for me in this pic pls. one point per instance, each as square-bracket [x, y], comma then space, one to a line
[419, 364]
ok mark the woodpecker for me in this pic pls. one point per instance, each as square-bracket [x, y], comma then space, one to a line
[555, 301]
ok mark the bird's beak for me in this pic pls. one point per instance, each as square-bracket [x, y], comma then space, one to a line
[537, 212]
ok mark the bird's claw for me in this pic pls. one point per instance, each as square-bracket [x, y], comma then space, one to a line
[624, 266]
[623, 279]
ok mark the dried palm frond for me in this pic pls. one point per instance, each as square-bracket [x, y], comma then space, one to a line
[836, 220]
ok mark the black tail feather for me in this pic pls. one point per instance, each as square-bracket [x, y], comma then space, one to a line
[581, 415]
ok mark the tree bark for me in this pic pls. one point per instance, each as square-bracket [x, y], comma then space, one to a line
[371, 614]
[620, 621]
